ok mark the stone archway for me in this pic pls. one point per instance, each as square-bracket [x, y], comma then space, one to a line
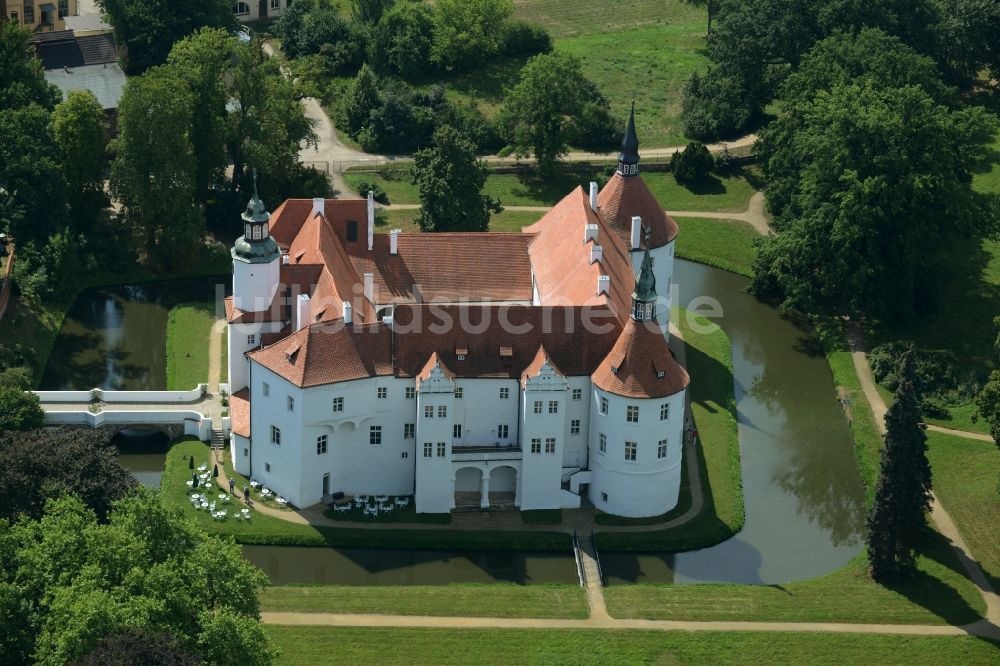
[503, 487]
[468, 488]
[141, 439]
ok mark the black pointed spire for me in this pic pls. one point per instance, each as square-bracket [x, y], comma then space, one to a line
[644, 296]
[628, 158]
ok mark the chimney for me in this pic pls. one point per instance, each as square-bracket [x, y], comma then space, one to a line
[301, 311]
[636, 232]
[348, 314]
[593, 196]
[284, 260]
[371, 220]
[596, 252]
[319, 205]
[394, 241]
[590, 233]
[370, 286]
[603, 284]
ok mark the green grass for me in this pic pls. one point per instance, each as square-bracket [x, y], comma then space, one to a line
[391, 646]
[473, 600]
[508, 220]
[719, 193]
[189, 328]
[709, 359]
[967, 482]
[267, 530]
[939, 594]
[725, 244]
[542, 517]
[405, 515]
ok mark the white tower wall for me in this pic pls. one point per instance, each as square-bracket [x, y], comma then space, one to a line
[254, 285]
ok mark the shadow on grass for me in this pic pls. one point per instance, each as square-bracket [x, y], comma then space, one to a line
[708, 185]
[549, 190]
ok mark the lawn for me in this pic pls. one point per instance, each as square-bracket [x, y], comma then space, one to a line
[709, 361]
[725, 244]
[508, 220]
[939, 594]
[504, 600]
[391, 646]
[189, 328]
[967, 483]
[727, 193]
[267, 530]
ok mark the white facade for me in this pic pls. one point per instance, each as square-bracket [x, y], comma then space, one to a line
[255, 10]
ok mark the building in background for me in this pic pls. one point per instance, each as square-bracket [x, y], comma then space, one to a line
[39, 15]
[259, 10]
[86, 62]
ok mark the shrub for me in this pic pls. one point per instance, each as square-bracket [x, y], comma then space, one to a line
[525, 39]
[940, 377]
[692, 164]
[364, 187]
[401, 42]
[716, 105]
[19, 410]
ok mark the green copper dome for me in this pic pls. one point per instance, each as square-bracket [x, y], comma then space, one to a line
[256, 246]
[255, 252]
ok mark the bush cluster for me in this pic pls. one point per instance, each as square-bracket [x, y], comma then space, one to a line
[692, 164]
[941, 380]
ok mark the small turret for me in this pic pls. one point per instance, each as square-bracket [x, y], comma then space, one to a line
[256, 246]
[644, 296]
[628, 158]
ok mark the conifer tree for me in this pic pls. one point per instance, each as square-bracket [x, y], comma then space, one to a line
[897, 517]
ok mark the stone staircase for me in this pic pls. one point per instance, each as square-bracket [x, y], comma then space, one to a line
[218, 438]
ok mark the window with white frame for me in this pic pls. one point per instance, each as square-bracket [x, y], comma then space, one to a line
[291, 404]
[442, 411]
[665, 411]
[632, 413]
[630, 451]
[577, 394]
[241, 8]
[428, 411]
[411, 393]
[29, 12]
[537, 407]
[276, 435]
[661, 449]
[574, 427]
[63, 8]
[338, 404]
[251, 339]
[602, 442]
[428, 449]
[536, 445]
[553, 406]
[456, 430]
[375, 435]
[504, 393]
[266, 389]
[459, 392]
[321, 445]
[409, 430]
[382, 393]
[442, 448]
[275, 4]
[550, 444]
[503, 431]
[604, 406]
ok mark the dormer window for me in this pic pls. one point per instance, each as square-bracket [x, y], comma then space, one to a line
[352, 231]
[461, 357]
[660, 374]
[614, 369]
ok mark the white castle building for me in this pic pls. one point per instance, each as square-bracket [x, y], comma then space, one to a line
[487, 369]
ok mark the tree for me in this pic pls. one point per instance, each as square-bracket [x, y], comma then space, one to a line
[139, 646]
[370, 12]
[693, 164]
[18, 377]
[987, 401]
[711, 6]
[22, 79]
[154, 171]
[148, 29]
[202, 59]
[402, 40]
[37, 465]
[80, 131]
[721, 103]
[467, 33]
[450, 183]
[897, 518]
[853, 174]
[19, 410]
[360, 98]
[147, 568]
[540, 115]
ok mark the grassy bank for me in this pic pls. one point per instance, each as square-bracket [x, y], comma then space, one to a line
[967, 483]
[366, 645]
[189, 330]
[718, 193]
[725, 244]
[473, 600]
[267, 530]
[709, 362]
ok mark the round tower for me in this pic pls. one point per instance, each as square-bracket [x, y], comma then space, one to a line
[255, 259]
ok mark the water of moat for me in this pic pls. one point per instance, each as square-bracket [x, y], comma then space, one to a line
[803, 494]
[115, 338]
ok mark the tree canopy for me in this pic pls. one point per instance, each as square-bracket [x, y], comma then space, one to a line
[19, 410]
[81, 134]
[450, 181]
[39, 465]
[22, 79]
[68, 582]
[148, 29]
[987, 401]
[469, 32]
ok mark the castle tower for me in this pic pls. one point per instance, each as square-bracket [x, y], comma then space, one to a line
[637, 415]
[628, 158]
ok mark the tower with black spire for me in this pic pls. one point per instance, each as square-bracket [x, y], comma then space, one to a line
[628, 158]
[644, 296]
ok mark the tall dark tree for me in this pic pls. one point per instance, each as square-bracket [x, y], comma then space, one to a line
[80, 129]
[22, 79]
[370, 12]
[898, 515]
[987, 401]
[148, 29]
[450, 182]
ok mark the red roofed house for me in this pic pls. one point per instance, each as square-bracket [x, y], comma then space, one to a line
[466, 369]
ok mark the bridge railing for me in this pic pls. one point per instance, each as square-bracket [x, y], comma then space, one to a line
[194, 423]
[102, 395]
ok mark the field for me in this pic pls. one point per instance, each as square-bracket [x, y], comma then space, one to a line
[725, 244]
[508, 220]
[728, 193]
[189, 328]
[713, 405]
[303, 645]
[504, 600]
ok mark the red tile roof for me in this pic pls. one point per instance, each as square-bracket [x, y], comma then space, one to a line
[631, 367]
[288, 218]
[239, 412]
[535, 367]
[624, 197]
